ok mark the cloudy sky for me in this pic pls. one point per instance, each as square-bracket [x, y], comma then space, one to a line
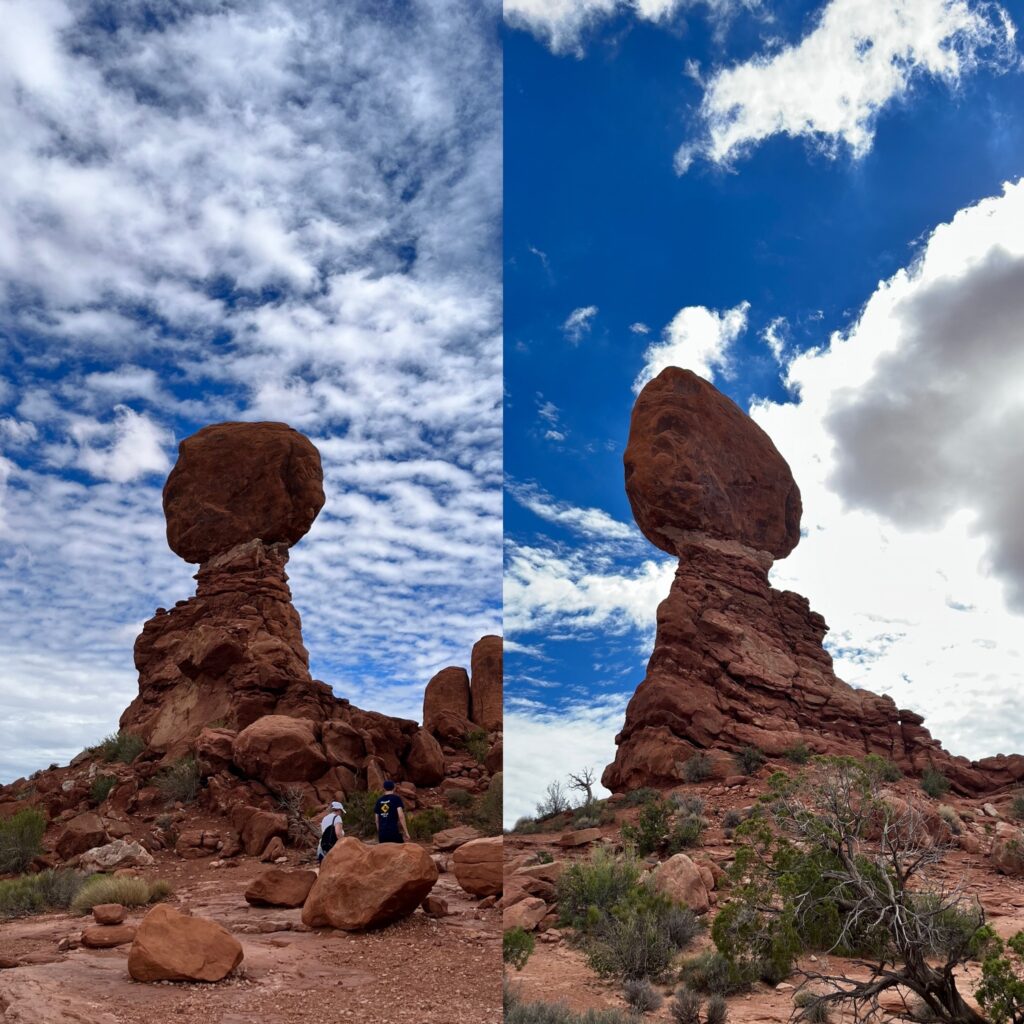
[215, 210]
[819, 207]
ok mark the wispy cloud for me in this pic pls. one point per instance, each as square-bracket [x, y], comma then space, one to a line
[578, 323]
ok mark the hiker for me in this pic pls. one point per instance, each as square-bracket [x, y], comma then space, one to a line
[390, 814]
[331, 830]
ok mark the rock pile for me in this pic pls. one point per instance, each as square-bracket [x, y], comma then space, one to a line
[735, 662]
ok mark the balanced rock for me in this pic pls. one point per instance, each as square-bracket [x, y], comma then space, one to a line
[478, 866]
[280, 888]
[362, 886]
[170, 946]
[118, 854]
[280, 748]
[236, 482]
[446, 704]
[486, 683]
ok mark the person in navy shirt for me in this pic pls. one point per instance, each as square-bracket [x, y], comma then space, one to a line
[390, 814]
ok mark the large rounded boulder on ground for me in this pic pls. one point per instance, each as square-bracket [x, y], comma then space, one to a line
[696, 462]
[257, 827]
[170, 946]
[280, 748]
[362, 886]
[280, 888]
[82, 832]
[485, 685]
[450, 838]
[118, 854]
[214, 750]
[236, 482]
[446, 703]
[425, 761]
[478, 866]
[1007, 854]
[681, 880]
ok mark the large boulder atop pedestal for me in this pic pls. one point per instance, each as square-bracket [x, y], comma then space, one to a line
[363, 886]
[696, 462]
[235, 482]
[170, 946]
[486, 683]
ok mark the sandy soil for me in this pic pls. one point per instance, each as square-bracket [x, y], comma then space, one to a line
[419, 971]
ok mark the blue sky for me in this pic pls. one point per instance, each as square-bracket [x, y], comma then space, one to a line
[259, 210]
[692, 183]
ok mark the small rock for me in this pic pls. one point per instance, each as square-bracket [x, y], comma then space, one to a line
[108, 913]
[102, 936]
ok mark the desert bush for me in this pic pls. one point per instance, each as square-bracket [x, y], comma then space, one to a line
[685, 834]
[951, 818]
[643, 795]
[120, 746]
[519, 1012]
[516, 947]
[101, 787]
[641, 995]
[881, 768]
[425, 823]
[689, 803]
[799, 753]
[487, 815]
[1017, 807]
[651, 826]
[749, 760]
[527, 826]
[126, 890]
[36, 894]
[555, 801]
[813, 1009]
[460, 798]
[934, 783]
[682, 925]
[712, 972]
[732, 818]
[632, 943]
[592, 815]
[21, 837]
[697, 768]
[359, 819]
[601, 882]
[475, 742]
[717, 1012]
[179, 781]
[685, 1006]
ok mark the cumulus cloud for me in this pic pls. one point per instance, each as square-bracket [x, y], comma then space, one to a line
[857, 59]
[698, 339]
[905, 443]
[590, 522]
[578, 323]
[251, 211]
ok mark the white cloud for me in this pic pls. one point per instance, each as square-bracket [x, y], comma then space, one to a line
[591, 522]
[579, 322]
[639, 328]
[698, 339]
[774, 336]
[138, 446]
[831, 86]
[905, 443]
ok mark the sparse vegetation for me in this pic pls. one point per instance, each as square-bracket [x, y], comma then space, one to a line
[749, 760]
[423, 824]
[583, 782]
[951, 818]
[476, 745]
[36, 894]
[641, 996]
[359, 819]
[126, 890]
[643, 795]
[732, 818]
[21, 837]
[519, 1012]
[555, 801]
[179, 781]
[799, 753]
[685, 1006]
[460, 798]
[487, 815]
[697, 768]
[712, 972]
[101, 787]
[881, 768]
[717, 1011]
[685, 834]
[813, 1009]
[651, 827]
[934, 783]
[1017, 807]
[588, 886]
[527, 826]
[119, 746]
[516, 947]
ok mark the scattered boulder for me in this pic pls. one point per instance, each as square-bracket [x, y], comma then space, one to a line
[425, 760]
[280, 748]
[170, 946]
[118, 854]
[83, 832]
[527, 913]
[435, 906]
[275, 848]
[478, 866]
[579, 837]
[362, 886]
[214, 751]
[101, 936]
[194, 843]
[256, 828]
[486, 683]
[446, 704]
[680, 879]
[449, 838]
[1007, 855]
[108, 913]
[280, 888]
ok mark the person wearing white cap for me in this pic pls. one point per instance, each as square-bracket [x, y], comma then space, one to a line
[331, 830]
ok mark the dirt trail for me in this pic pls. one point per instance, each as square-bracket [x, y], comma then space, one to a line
[419, 971]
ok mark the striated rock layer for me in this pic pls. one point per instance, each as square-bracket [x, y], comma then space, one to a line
[735, 662]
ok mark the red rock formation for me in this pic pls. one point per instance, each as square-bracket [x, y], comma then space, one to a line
[446, 704]
[485, 686]
[735, 662]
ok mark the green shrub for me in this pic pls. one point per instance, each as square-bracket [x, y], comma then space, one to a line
[799, 753]
[697, 768]
[641, 996]
[934, 783]
[712, 972]
[487, 816]
[518, 1012]
[951, 818]
[749, 760]
[126, 890]
[633, 943]
[685, 1006]
[36, 894]
[359, 817]
[1017, 807]
[543, 857]
[425, 823]
[21, 839]
[640, 796]
[476, 744]
[732, 818]
[516, 947]
[600, 883]
[689, 803]
[179, 781]
[101, 787]
[527, 826]
[881, 768]
[717, 1012]
[651, 826]
[686, 834]
[1001, 992]
[120, 746]
[815, 1009]
[459, 798]
[555, 801]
